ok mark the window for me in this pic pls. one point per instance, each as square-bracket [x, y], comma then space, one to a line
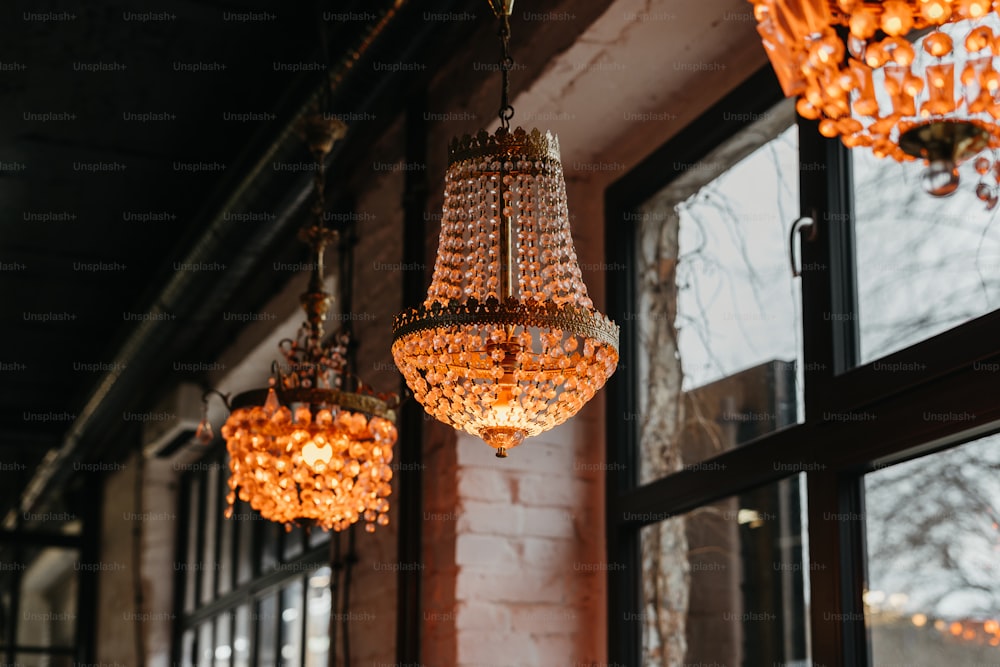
[924, 264]
[933, 535]
[724, 584]
[39, 604]
[718, 317]
[777, 540]
[245, 582]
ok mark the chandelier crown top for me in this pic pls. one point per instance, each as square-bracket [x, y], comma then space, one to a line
[518, 144]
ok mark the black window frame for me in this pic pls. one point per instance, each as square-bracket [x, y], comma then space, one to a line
[842, 451]
[261, 583]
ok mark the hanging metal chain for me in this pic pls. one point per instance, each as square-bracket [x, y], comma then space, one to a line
[506, 65]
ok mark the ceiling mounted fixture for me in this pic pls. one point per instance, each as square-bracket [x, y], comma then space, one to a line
[314, 448]
[914, 79]
[507, 343]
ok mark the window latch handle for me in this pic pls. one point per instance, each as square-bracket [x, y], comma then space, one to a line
[805, 222]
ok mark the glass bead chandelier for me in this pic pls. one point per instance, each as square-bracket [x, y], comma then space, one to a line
[911, 79]
[314, 448]
[507, 343]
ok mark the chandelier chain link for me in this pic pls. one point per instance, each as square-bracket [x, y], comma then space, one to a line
[506, 65]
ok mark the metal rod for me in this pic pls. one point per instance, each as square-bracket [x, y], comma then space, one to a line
[59, 460]
[506, 254]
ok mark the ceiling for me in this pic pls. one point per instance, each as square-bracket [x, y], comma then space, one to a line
[148, 163]
[133, 144]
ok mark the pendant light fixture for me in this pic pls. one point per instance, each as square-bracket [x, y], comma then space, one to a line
[507, 343]
[910, 79]
[314, 448]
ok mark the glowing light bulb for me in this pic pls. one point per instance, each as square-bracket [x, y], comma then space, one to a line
[504, 403]
[314, 455]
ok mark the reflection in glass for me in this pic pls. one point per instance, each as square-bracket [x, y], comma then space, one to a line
[226, 528]
[41, 660]
[206, 650]
[725, 584]
[318, 537]
[223, 648]
[318, 601]
[291, 624]
[267, 630]
[933, 532]
[193, 522]
[292, 543]
[187, 649]
[718, 311]
[241, 637]
[270, 537]
[207, 566]
[924, 264]
[245, 518]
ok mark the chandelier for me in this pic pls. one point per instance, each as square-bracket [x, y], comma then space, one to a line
[314, 448]
[858, 67]
[507, 343]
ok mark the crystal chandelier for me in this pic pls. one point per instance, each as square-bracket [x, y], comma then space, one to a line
[314, 448]
[858, 68]
[507, 343]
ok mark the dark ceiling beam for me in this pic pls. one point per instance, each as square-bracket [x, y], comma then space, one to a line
[144, 344]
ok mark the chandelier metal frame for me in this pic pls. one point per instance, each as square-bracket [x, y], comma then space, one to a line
[313, 449]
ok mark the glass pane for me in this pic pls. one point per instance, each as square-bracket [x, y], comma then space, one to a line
[719, 314]
[291, 545]
[318, 537]
[270, 537]
[725, 584]
[47, 606]
[241, 637]
[318, 600]
[226, 529]
[187, 649]
[206, 650]
[267, 630]
[223, 648]
[246, 519]
[209, 539]
[9, 576]
[933, 523]
[42, 660]
[924, 264]
[291, 624]
[193, 524]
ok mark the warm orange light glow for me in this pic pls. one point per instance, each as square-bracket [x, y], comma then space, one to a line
[919, 620]
[874, 75]
[329, 470]
[508, 343]
[317, 457]
[935, 11]
[937, 44]
[955, 628]
[897, 18]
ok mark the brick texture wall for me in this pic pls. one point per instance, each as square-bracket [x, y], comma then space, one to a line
[515, 546]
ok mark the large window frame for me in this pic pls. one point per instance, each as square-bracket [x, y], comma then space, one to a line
[310, 555]
[840, 451]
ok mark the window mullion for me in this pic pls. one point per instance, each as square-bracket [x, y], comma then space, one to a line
[837, 569]
[829, 281]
